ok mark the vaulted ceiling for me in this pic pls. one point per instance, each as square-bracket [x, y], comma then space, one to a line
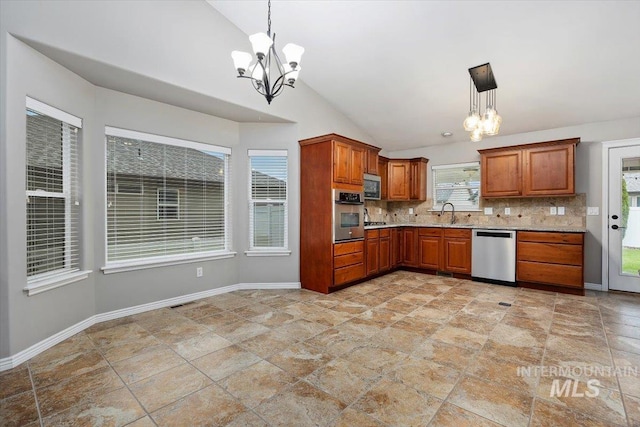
[398, 69]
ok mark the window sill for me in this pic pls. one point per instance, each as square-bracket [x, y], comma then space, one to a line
[38, 286]
[272, 252]
[119, 267]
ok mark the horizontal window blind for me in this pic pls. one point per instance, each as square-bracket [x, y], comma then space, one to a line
[52, 191]
[458, 184]
[268, 212]
[177, 199]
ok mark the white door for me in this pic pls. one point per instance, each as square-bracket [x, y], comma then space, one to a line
[624, 218]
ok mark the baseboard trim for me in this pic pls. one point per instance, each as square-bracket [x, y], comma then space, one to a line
[26, 354]
[593, 286]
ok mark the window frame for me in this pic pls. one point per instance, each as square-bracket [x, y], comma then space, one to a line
[70, 272]
[462, 208]
[117, 266]
[252, 202]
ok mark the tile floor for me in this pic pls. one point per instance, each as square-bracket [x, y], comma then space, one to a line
[404, 349]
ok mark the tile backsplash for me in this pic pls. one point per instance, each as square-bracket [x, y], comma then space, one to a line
[524, 212]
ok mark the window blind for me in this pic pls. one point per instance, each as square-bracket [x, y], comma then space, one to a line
[458, 184]
[181, 202]
[52, 191]
[268, 212]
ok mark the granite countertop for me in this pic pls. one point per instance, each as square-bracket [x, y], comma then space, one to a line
[555, 228]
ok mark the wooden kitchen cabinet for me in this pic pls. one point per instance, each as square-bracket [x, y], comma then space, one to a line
[372, 162]
[407, 179]
[385, 250]
[457, 250]
[410, 246]
[372, 251]
[383, 166]
[396, 247]
[348, 262]
[430, 248]
[530, 170]
[550, 258]
[348, 163]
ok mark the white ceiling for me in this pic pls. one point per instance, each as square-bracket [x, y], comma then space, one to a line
[398, 69]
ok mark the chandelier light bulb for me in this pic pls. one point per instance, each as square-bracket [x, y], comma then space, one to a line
[471, 121]
[241, 61]
[494, 128]
[476, 134]
[293, 54]
[261, 44]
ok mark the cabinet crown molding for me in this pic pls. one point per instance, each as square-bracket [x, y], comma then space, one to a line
[338, 138]
[575, 141]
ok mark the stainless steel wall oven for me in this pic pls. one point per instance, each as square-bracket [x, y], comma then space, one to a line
[348, 215]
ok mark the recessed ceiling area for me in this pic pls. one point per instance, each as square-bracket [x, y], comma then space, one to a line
[399, 69]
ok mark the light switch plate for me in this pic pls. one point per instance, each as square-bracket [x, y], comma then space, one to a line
[560, 210]
[553, 210]
[593, 210]
[410, 211]
[488, 211]
[507, 211]
[379, 210]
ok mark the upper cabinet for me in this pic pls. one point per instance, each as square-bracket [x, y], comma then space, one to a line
[383, 169]
[542, 169]
[348, 163]
[371, 164]
[407, 179]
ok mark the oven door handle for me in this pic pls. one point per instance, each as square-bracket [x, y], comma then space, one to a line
[349, 203]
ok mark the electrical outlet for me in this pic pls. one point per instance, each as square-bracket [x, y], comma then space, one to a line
[379, 210]
[560, 210]
[593, 210]
[410, 211]
[553, 210]
[507, 211]
[488, 211]
[198, 271]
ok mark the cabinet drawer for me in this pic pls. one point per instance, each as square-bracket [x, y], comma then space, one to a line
[459, 233]
[551, 237]
[385, 232]
[348, 259]
[348, 247]
[372, 234]
[348, 274]
[552, 274]
[433, 232]
[552, 253]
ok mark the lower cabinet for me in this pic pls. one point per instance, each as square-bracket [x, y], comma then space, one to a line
[457, 250]
[385, 250]
[348, 262]
[410, 247]
[396, 247]
[551, 258]
[430, 248]
[377, 251]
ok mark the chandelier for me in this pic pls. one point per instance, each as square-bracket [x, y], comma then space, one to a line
[268, 74]
[477, 122]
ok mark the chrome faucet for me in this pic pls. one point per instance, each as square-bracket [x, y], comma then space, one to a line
[453, 212]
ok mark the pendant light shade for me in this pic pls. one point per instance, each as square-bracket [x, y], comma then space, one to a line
[293, 54]
[261, 43]
[487, 123]
[241, 61]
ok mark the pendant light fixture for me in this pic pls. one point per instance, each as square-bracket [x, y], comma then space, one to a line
[268, 74]
[477, 122]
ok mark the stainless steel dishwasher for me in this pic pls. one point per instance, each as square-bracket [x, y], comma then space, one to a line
[493, 256]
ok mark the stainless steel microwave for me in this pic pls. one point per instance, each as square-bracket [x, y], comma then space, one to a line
[372, 187]
[348, 215]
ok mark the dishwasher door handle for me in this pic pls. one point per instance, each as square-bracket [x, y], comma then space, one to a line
[494, 234]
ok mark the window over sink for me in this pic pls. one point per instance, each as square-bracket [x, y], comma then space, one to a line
[458, 184]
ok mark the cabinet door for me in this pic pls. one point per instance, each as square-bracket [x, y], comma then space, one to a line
[372, 162]
[396, 247]
[429, 252]
[341, 162]
[418, 180]
[373, 256]
[549, 170]
[410, 245]
[399, 176]
[501, 173]
[457, 255]
[357, 159]
[385, 254]
[383, 165]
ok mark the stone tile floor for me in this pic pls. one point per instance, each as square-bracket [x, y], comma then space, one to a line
[403, 349]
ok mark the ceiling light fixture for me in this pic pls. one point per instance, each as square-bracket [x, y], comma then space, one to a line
[268, 74]
[478, 123]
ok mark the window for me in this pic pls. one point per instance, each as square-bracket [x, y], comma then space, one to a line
[458, 184]
[183, 211]
[53, 206]
[168, 203]
[268, 218]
